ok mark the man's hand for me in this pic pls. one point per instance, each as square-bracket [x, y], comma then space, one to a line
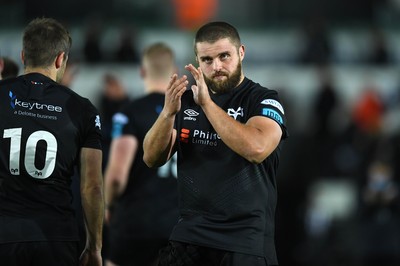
[175, 90]
[200, 91]
[91, 258]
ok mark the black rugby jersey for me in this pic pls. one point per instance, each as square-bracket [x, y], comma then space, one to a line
[148, 208]
[226, 202]
[43, 127]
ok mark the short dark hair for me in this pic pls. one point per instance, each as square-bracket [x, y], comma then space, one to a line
[214, 31]
[44, 39]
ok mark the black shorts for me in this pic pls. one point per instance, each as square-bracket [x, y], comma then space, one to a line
[40, 254]
[182, 254]
[141, 252]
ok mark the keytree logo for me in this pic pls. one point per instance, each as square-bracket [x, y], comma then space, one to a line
[13, 98]
[33, 105]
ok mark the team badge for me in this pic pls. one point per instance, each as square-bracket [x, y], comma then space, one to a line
[97, 122]
[234, 113]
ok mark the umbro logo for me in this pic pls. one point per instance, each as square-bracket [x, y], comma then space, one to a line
[190, 114]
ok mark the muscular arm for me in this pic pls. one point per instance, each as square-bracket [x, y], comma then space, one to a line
[254, 141]
[122, 153]
[159, 142]
[92, 197]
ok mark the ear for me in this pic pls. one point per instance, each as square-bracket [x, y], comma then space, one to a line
[60, 60]
[23, 57]
[241, 52]
[142, 72]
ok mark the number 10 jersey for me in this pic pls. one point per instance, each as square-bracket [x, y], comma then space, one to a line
[43, 127]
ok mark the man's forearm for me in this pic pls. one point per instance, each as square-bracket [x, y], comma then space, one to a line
[92, 196]
[159, 140]
[93, 208]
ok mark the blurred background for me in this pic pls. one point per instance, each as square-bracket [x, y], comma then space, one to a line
[336, 65]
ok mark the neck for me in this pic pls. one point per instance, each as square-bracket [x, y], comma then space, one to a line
[44, 71]
[156, 86]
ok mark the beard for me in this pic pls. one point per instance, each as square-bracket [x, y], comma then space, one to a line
[224, 86]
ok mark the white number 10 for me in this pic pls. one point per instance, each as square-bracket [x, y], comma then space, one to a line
[30, 151]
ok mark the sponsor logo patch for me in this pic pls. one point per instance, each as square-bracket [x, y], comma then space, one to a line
[199, 137]
[184, 136]
[273, 115]
[207, 138]
[32, 106]
[273, 103]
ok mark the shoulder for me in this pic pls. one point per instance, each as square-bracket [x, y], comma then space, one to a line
[143, 103]
[255, 87]
[12, 84]
[75, 100]
[9, 81]
[255, 91]
[260, 96]
[149, 99]
[72, 94]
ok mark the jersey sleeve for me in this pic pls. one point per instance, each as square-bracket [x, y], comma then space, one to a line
[123, 123]
[267, 103]
[92, 125]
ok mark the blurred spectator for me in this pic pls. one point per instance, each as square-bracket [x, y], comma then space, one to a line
[191, 14]
[113, 97]
[91, 48]
[380, 189]
[357, 143]
[323, 107]
[326, 100]
[10, 68]
[1, 67]
[380, 217]
[317, 48]
[368, 111]
[379, 52]
[127, 51]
